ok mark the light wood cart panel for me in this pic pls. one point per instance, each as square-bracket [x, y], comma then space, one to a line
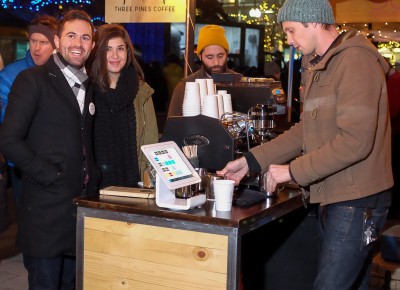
[156, 233]
[119, 255]
[164, 252]
[110, 272]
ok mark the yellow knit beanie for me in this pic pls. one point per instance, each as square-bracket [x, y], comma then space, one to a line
[211, 35]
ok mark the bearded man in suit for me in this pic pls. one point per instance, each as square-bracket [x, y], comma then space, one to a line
[46, 133]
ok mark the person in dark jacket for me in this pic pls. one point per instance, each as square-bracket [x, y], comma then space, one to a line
[41, 46]
[4, 218]
[46, 133]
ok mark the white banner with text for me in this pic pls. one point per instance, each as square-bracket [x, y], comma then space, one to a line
[142, 11]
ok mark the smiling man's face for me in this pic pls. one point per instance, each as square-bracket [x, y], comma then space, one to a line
[76, 42]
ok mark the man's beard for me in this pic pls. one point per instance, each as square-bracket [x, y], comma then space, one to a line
[215, 69]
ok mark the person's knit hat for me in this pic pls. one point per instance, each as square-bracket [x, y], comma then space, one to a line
[43, 29]
[306, 11]
[211, 35]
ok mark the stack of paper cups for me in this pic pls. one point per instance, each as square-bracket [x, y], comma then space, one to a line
[191, 102]
[210, 106]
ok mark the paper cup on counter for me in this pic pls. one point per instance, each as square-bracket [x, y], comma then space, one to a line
[223, 214]
[223, 191]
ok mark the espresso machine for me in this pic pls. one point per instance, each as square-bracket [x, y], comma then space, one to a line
[259, 115]
[216, 146]
[257, 108]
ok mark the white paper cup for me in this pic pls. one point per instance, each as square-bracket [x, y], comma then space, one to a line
[192, 95]
[227, 103]
[202, 86]
[220, 106]
[190, 114]
[223, 214]
[222, 92]
[210, 87]
[223, 190]
[210, 106]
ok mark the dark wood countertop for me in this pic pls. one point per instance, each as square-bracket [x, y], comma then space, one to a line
[244, 218]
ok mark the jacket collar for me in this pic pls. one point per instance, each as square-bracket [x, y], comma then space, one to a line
[340, 43]
[58, 80]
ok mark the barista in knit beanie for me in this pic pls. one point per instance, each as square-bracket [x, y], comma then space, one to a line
[339, 152]
[212, 50]
[306, 11]
[212, 35]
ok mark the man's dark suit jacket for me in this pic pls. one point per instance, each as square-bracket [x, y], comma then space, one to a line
[44, 134]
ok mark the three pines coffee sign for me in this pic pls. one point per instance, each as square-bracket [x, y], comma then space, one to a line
[142, 11]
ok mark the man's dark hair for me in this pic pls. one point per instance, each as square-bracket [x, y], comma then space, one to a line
[73, 15]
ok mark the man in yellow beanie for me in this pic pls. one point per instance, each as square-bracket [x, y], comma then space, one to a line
[212, 50]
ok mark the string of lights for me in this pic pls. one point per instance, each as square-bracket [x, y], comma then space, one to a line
[36, 5]
[386, 34]
[377, 32]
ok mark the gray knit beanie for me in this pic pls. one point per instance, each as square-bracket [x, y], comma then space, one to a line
[306, 11]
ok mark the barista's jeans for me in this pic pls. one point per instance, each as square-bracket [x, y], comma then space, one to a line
[50, 274]
[344, 260]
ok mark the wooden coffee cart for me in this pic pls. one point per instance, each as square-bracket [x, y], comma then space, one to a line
[130, 243]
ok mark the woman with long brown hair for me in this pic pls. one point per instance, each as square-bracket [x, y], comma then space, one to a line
[124, 115]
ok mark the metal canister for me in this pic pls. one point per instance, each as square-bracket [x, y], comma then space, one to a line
[184, 192]
[211, 177]
[262, 184]
[193, 189]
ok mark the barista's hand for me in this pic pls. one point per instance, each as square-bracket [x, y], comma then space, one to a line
[235, 170]
[277, 174]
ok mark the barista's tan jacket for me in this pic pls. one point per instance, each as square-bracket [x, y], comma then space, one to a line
[343, 138]
[146, 122]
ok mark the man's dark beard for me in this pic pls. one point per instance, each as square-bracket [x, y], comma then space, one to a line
[208, 69]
